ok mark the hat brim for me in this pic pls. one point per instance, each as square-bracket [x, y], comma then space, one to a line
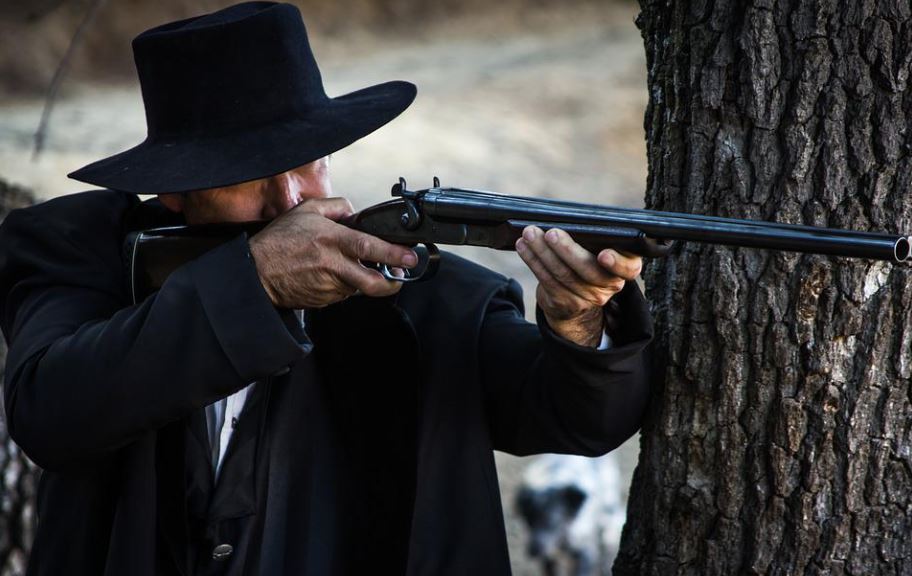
[163, 166]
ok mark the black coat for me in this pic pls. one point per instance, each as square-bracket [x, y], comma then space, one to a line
[374, 451]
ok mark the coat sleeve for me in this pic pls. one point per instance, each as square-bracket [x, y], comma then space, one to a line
[547, 394]
[87, 373]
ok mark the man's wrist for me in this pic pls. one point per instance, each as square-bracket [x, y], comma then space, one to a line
[585, 329]
[255, 250]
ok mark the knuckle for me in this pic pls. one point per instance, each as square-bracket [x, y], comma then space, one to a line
[374, 284]
[603, 297]
[326, 260]
[331, 273]
[631, 267]
[565, 244]
[533, 263]
[394, 254]
[564, 275]
[362, 246]
[551, 286]
[540, 271]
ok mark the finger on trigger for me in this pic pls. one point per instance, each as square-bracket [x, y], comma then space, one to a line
[367, 281]
[369, 248]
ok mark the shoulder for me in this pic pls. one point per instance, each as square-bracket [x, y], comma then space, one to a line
[78, 234]
[84, 213]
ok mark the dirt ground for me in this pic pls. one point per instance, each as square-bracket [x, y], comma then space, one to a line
[551, 106]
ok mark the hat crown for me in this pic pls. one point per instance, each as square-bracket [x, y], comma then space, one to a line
[246, 66]
[234, 96]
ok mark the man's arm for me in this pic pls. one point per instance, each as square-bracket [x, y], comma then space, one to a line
[551, 390]
[86, 373]
[548, 394]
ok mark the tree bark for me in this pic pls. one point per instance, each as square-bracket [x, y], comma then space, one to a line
[18, 475]
[778, 439]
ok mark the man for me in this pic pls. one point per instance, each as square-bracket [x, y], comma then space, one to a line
[209, 429]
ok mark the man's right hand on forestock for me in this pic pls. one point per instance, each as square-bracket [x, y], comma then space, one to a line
[305, 259]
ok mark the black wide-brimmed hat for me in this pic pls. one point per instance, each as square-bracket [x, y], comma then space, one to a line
[234, 96]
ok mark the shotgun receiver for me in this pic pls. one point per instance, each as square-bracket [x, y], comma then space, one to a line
[472, 217]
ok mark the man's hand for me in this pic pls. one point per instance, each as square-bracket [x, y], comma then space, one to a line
[306, 260]
[574, 285]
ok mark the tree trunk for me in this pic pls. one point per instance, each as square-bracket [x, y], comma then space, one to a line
[778, 440]
[18, 475]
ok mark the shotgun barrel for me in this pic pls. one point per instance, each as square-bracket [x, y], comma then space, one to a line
[457, 216]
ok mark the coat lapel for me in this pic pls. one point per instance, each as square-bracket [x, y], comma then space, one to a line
[173, 529]
[371, 372]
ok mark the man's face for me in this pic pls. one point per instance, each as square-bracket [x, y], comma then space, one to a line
[262, 199]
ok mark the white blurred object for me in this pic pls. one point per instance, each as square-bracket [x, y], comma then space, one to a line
[573, 508]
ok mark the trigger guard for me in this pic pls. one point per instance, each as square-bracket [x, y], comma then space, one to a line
[427, 271]
[387, 273]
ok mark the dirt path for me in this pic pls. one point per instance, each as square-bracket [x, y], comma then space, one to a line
[553, 107]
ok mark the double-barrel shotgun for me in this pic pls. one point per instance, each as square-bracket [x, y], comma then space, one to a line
[455, 216]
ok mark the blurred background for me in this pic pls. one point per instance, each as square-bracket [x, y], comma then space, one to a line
[523, 97]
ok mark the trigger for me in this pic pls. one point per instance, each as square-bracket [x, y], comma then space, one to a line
[387, 273]
[428, 261]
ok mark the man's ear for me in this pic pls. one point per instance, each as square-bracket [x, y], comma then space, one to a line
[173, 202]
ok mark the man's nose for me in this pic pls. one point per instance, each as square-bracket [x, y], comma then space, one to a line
[285, 193]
